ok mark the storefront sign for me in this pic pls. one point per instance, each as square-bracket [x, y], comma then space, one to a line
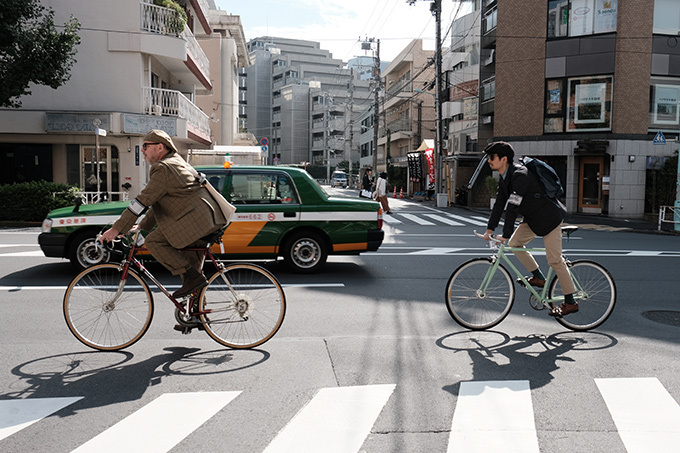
[76, 122]
[141, 124]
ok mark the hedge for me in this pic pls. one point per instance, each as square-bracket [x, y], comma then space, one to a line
[31, 201]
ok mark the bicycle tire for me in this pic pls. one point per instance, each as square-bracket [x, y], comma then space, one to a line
[595, 294]
[100, 322]
[471, 308]
[249, 315]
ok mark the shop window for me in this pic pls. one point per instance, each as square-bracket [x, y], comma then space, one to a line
[554, 106]
[589, 101]
[568, 18]
[664, 95]
[578, 104]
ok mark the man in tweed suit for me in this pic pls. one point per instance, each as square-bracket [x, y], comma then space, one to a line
[178, 206]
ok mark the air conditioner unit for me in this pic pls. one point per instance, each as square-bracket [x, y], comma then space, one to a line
[157, 110]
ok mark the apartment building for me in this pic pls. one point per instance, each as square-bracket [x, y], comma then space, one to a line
[591, 87]
[137, 69]
[408, 114]
[303, 101]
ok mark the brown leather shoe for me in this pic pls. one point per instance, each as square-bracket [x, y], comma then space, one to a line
[533, 281]
[563, 309]
[193, 281]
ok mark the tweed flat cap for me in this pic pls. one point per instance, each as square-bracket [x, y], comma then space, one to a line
[159, 136]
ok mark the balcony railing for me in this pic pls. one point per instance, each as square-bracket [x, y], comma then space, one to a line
[166, 21]
[158, 101]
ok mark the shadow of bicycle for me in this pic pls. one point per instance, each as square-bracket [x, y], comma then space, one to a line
[105, 378]
[496, 356]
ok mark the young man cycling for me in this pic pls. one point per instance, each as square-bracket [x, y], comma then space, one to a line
[522, 192]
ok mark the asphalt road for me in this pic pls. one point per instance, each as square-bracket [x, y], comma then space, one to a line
[367, 360]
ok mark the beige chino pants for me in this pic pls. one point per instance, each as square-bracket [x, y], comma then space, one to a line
[553, 252]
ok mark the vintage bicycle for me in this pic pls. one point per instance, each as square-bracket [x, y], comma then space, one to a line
[481, 292]
[110, 306]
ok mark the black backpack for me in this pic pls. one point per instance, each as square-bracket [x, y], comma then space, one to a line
[547, 177]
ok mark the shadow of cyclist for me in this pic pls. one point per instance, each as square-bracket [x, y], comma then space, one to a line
[117, 383]
[532, 357]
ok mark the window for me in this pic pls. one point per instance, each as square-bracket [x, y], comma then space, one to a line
[262, 188]
[664, 95]
[581, 17]
[589, 103]
[578, 104]
[554, 106]
[666, 17]
[490, 20]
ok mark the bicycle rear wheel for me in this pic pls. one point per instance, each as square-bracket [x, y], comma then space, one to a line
[105, 312]
[595, 294]
[243, 306]
[469, 304]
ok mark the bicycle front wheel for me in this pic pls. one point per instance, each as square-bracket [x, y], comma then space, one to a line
[243, 306]
[595, 294]
[473, 306]
[104, 311]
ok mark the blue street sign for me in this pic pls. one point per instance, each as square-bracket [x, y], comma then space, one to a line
[659, 139]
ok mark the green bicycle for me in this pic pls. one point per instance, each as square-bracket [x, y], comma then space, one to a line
[480, 292]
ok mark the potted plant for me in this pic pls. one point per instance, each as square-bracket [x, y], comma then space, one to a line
[492, 184]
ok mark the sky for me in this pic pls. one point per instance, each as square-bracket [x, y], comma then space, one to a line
[339, 25]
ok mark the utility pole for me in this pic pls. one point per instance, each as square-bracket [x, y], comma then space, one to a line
[376, 106]
[436, 10]
[350, 106]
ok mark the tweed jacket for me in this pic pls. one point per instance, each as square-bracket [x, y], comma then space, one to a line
[177, 204]
[521, 190]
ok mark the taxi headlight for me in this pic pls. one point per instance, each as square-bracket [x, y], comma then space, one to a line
[46, 226]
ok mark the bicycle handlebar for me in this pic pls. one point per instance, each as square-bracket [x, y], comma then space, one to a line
[492, 238]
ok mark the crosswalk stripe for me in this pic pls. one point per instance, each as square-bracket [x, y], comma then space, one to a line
[470, 220]
[17, 414]
[336, 420]
[646, 415]
[416, 219]
[444, 220]
[494, 416]
[391, 220]
[161, 424]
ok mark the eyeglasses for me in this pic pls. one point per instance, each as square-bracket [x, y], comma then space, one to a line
[146, 145]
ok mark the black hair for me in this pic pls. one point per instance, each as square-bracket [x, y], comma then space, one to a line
[501, 149]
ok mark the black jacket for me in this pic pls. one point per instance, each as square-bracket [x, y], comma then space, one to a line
[522, 192]
[367, 182]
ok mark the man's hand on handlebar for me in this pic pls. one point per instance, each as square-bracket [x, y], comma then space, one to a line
[488, 235]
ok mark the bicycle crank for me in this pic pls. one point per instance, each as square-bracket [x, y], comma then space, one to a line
[535, 303]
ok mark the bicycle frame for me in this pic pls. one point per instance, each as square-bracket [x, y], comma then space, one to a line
[131, 260]
[501, 255]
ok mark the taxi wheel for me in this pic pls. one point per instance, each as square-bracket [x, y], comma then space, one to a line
[305, 252]
[85, 252]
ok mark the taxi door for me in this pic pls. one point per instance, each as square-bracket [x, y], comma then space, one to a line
[267, 206]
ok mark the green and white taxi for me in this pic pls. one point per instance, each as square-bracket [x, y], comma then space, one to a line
[281, 212]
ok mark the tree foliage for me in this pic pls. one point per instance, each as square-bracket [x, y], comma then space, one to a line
[32, 50]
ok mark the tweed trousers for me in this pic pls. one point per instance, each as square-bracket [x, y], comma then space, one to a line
[176, 261]
[553, 252]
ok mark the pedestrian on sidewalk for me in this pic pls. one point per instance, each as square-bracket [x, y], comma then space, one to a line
[380, 193]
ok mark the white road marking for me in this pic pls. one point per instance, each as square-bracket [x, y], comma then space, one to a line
[336, 420]
[416, 219]
[494, 416]
[469, 220]
[17, 414]
[443, 219]
[161, 424]
[646, 415]
[391, 219]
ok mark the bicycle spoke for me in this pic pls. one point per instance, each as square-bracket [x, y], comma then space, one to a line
[243, 306]
[104, 315]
